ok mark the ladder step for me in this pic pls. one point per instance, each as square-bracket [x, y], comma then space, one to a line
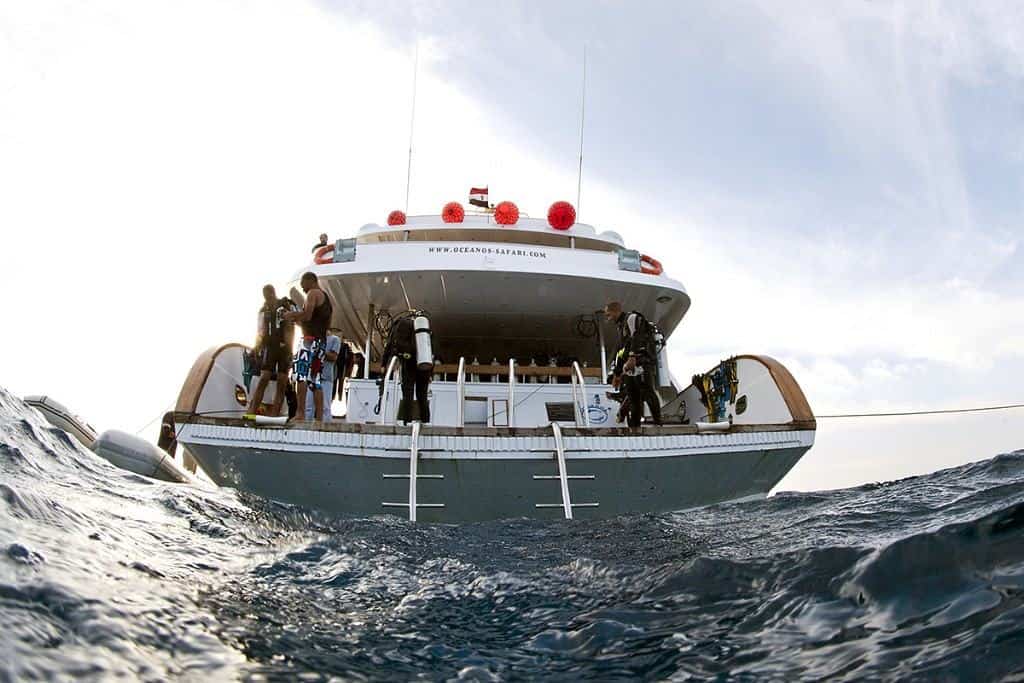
[406, 505]
[558, 505]
[568, 476]
[418, 476]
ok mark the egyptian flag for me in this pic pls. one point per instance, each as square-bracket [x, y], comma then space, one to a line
[478, 197]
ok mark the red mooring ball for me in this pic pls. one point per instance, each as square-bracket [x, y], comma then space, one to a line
[506, 213]
[561, 216]
[453, 212]
[396, 217]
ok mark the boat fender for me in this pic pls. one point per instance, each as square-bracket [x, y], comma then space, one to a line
[132, 453]
[424, 352]
[713, 426]
[650, 265]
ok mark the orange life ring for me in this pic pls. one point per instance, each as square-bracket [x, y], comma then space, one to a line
[320, 256]
[651, 266]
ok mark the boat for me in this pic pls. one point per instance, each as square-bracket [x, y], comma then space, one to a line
[523, 421]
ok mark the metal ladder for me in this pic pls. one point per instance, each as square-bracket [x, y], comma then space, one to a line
[413, 477]
[567, 505]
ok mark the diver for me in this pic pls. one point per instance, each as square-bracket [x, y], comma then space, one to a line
[315, 317]
[636, 363]
[409, 342]
[273, 348]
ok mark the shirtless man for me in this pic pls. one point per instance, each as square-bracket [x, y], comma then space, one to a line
[314, 318]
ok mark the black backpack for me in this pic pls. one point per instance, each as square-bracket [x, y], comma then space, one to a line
[402, 337]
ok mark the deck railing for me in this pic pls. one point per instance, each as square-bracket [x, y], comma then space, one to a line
[511, 392]
[387, 379]
[460, 410]
[580, 404]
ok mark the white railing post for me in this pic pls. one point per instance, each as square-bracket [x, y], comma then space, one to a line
[511, 392]
[387, 385]
[460, 395]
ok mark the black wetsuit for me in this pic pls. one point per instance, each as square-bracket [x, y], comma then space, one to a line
[402, 344]
[275, 352]
[640, 388]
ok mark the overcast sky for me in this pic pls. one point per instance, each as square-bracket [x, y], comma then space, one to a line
[837, 184]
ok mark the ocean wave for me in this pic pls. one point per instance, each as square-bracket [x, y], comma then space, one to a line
[106, 574]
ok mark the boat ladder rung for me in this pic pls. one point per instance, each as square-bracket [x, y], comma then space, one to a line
[418, 476]
[558, 505]
[419, 505]
[568, 476]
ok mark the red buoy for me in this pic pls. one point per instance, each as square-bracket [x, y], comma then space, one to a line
[506, 213]
[396, 217]
[561, 215]
[453, 213]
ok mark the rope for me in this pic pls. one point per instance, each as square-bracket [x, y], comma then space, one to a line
[159, 415]
[924, 412]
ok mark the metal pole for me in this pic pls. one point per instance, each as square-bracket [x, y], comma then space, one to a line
[511, 392]
[412, 120]
[583, 111]
[604, 352]
[369, 340]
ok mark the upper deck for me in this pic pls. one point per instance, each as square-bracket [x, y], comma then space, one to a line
[527, 285]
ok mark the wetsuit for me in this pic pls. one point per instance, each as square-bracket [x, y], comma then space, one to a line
[402, 344]
[276, 334]
[637, 341]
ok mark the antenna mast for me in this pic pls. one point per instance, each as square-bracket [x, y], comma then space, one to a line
[412, 121]
[583, 111]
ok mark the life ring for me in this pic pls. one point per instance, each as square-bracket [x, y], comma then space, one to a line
[320, 256]
[651, 266]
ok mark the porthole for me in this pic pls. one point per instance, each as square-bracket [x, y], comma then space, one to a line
[741, 405]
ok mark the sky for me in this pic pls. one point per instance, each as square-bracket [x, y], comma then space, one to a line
[838, 185]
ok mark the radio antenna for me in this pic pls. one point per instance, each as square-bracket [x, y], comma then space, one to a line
[412, 121]
[583, 111]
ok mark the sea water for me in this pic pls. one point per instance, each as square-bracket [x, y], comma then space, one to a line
[106, 574]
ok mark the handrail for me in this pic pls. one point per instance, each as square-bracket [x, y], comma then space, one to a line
[460, 411]
[577, 377]
[414, 455]
[511, 392]
[562, 473]
[387, 384]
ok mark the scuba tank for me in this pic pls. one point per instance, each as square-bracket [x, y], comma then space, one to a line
[424, 352]
[438, 375]
[474, 377]
[533, 378]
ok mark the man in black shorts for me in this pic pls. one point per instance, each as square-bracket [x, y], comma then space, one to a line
[273, 348]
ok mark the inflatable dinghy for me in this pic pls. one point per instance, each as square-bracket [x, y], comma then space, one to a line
[137, 455]
[120, 449]
[59, 416]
